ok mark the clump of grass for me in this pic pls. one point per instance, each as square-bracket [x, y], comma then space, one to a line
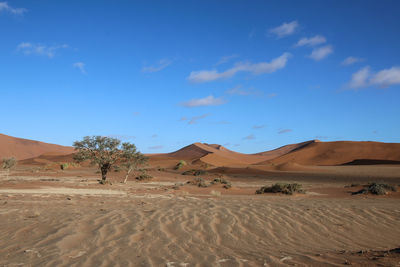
[376, 189]
[200, 182]
[351, 185]
[195, 172]
[180, 164]
[64, 166]
[176, 186]
[223, 181]
[143, 177]
[288, 189]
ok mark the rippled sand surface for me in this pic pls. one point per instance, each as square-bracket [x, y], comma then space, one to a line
[169, 230]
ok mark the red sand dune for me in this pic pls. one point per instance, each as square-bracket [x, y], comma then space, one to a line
[338, 153]
[23, 148]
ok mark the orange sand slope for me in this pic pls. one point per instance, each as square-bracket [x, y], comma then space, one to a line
[339, 153]
[24, 148]
[294, 156]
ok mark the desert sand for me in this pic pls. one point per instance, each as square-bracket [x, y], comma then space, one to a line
[54, 217]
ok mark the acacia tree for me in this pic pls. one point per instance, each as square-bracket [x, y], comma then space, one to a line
[104, 152]
[132, 159]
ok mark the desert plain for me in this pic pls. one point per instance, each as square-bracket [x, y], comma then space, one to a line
[53, 216]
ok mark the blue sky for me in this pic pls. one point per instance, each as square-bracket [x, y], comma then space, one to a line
[250, 75]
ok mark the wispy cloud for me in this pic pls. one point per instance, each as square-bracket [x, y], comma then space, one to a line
[286, 29]
[271, 95]
[351, 60]
[226, 59]
[4, 6]
[257, 127]
[162, 64]
[154, 136]
[156, 147]
[195, 119]
[80, 66]
[249, 137]
[384, 78]
[284, 131]
[255, 68]
[136, 113]
[321, 52]
[313, 41]
[237, 90]
[39, 49]
[206, 101]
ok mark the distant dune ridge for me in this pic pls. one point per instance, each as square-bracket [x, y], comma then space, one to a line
[24, 149]
[290, 157]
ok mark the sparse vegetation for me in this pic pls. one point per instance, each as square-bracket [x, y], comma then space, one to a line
[376, 189]
[200, 182]
[132, 160]
[8, 164]
[104, 152]
[180, 164]
[143, 177]
[64, 166]
[227, 184]
[351, 185]
[288, 189]
[195, 172]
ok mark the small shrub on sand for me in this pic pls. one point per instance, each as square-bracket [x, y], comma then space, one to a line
[9, 163]
[180, 164]
[176, 186]
[288, 189]
[200, 182]
[64, 166]
[223, 181]
[194, 172]
[143, 177]
[376, 189]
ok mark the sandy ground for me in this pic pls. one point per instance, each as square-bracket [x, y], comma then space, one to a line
[60, 219]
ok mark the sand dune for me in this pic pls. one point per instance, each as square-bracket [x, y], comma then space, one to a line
[24, 148]
[337, 153]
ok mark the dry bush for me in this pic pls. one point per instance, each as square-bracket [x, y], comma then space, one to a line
[376, 189]
[288, 189]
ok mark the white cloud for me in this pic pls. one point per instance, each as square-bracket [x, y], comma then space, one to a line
[39, 49]
[80, 66]
[285, 29]
[255, 68]
[313, 41]
[384, 78]
[237, 90]
[194, 119]
[359, 78]
[351, 60]
[16, 11]
[322, 52]
[226, 59]
[162, 64]
[206, 101]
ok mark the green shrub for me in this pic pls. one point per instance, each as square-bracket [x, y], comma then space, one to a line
[376, 189]
[180, 164]
[288, 189]
[64, 166]
[9, 163]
